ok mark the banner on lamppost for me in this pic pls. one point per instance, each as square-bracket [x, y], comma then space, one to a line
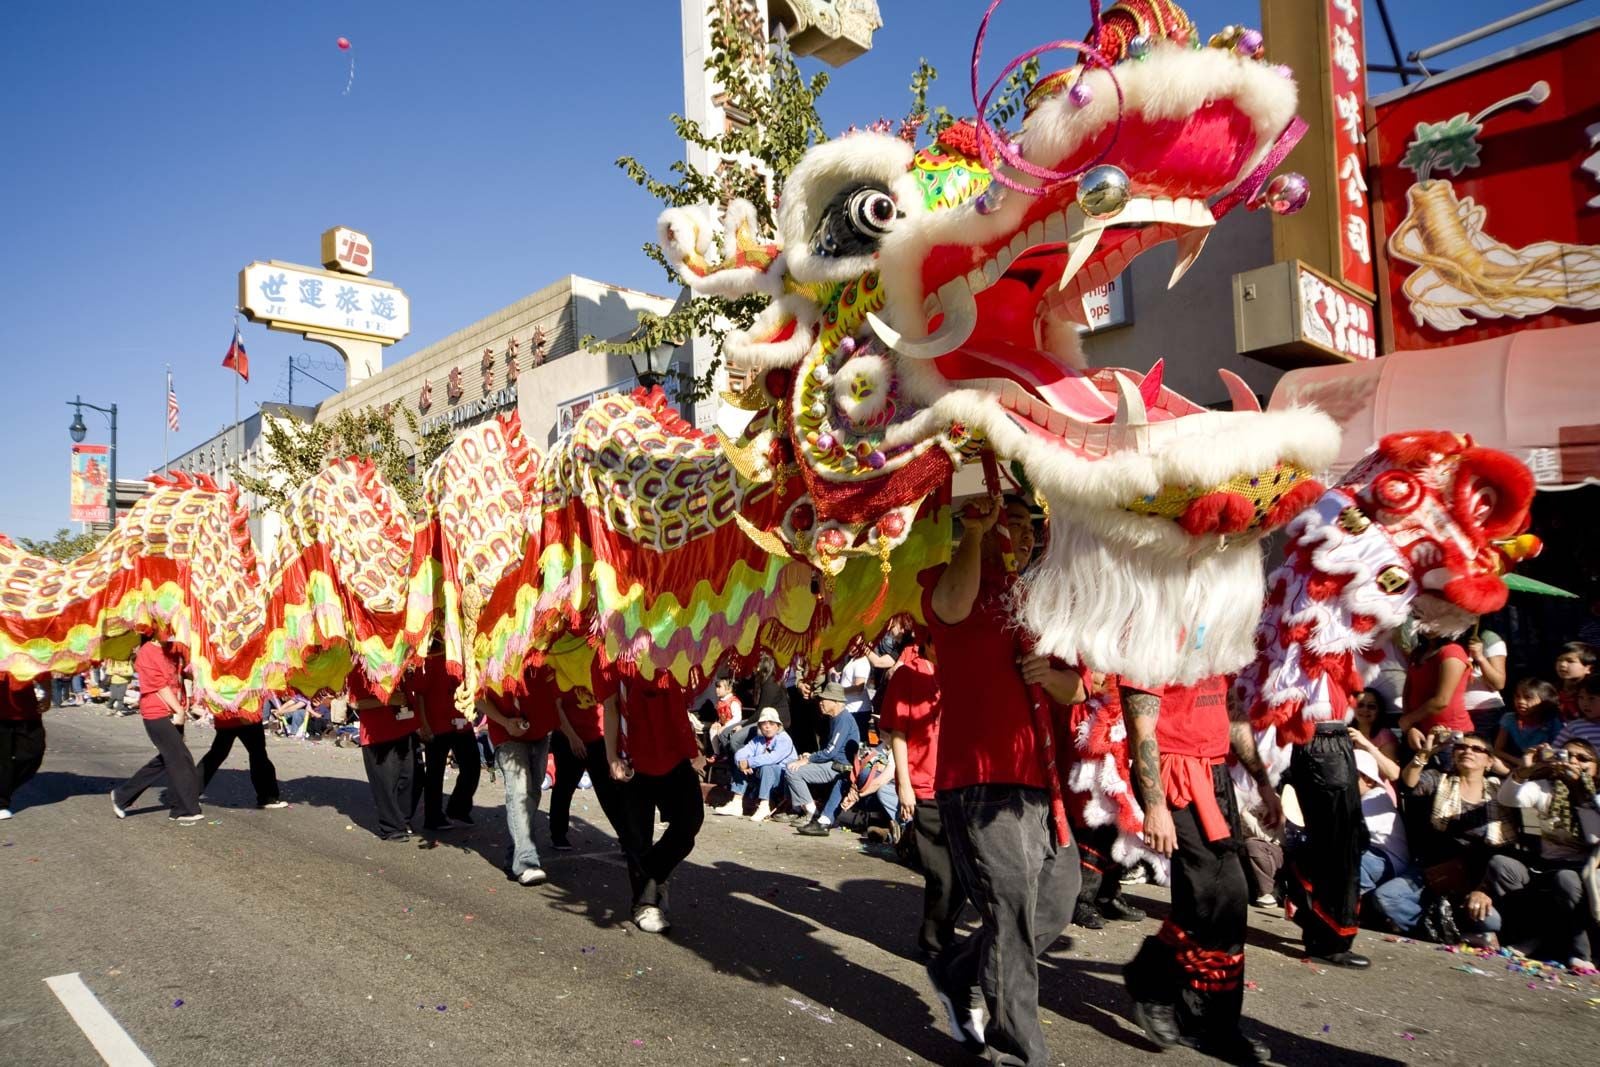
[90, 479]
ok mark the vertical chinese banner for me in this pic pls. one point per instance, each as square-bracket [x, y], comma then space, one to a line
[90, 484]
[1347, 70]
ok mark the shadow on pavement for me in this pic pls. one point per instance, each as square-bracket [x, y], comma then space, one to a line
[52, 787]
[756, 925]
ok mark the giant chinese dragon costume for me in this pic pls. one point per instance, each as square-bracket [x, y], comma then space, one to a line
[922, 312]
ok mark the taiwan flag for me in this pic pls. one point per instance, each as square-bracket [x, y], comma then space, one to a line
[236, 358]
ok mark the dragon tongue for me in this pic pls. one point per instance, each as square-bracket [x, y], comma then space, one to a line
[1063, 389]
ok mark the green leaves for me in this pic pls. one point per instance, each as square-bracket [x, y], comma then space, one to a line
[64, 547]
[296, 452]
[1450, 146]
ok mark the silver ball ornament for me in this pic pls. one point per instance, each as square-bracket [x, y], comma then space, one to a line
[1103, 191]
[1139, 47]
[1287, 193]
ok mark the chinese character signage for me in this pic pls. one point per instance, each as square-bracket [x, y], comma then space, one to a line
[1333, 320]
[1489, 190]
[1347, 67]
[304, 300]
[345, 249]
[91, 484]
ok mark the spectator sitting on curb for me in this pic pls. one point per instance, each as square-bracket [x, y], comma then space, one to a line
[764, 758]
[828, 766]
[1586, 727]
[1534, 720]
[1388, 872]
[729, 710]
[1551, 898]
[874, 776]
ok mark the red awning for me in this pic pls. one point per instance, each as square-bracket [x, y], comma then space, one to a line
[1534, 394]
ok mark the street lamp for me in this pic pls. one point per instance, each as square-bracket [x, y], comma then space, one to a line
[652, 364]
[79, 431]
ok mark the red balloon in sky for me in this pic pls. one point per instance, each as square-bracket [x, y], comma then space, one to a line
[343, 43]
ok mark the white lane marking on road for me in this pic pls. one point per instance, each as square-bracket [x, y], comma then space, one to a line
[104, 1032]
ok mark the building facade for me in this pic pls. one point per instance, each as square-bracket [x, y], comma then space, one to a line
[526, 357]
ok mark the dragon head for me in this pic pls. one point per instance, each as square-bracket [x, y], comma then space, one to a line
[925, 307]
[1425, 526]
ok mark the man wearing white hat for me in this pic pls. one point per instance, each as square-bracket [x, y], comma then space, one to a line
[763, 758]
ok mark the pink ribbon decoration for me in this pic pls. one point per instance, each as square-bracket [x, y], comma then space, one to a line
[993, 142]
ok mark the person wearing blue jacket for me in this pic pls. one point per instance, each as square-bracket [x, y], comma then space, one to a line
[764, 758]
[832, 765]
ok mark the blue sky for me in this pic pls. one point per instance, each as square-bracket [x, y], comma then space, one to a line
[154, 149]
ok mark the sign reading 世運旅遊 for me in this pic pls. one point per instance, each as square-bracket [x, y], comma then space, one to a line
[303, 299]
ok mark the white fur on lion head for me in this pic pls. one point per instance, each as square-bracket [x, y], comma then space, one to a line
[827, 168]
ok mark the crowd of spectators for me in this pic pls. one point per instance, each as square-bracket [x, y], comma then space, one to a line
[1481, 820]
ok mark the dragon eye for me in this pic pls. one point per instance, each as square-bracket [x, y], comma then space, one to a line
[854, 222]
[870, 212]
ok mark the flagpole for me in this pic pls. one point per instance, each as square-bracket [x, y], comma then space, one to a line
[236, 374]
[166, 423]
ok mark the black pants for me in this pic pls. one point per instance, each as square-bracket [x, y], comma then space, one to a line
[394, 770]
[173, 760]
[468, 767]
[1195, 962]
[570, 766]
[1023, 886]
[1102, 875]
[1545, 900]
[253, 736]
[21, 752]
[942, 895]
[1324, 871]
[676, 795]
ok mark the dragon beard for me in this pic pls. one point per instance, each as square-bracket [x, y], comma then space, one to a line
[1152, 617]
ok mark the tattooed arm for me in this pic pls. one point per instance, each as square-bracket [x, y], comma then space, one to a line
[1141, 710]
[1242, 739]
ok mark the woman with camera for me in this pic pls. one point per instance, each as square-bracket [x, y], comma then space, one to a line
[1463, 826]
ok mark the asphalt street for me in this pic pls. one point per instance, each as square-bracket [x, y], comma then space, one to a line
[296, 937]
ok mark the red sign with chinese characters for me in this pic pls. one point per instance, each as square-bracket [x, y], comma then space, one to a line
[1489, 186]
[1347, 68]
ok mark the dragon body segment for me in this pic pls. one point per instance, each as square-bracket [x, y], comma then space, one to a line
[921, 313]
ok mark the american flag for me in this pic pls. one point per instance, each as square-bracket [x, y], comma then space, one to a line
[172, 407]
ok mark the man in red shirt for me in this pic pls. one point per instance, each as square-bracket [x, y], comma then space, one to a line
[390, 752]
[649, 748]
[244, 727]
[910, 716]
[579, 746]
[21, 736]
[995, 765]
[1187, 981]
[519, 729]
[431, 693]
[164, 706]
